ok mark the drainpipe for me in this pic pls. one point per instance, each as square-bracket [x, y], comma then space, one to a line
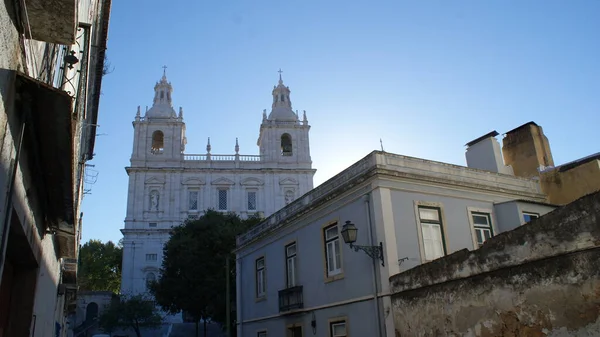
[8, 204]
[367, 198]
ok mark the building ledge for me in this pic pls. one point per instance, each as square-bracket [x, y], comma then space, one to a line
[53, 21]
[48, 143]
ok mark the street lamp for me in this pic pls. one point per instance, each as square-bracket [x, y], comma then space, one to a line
[349, 233]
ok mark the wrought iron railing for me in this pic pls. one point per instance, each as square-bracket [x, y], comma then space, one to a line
[291, 299]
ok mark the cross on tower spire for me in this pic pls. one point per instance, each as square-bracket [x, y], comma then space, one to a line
[164, 71]
[280, 71]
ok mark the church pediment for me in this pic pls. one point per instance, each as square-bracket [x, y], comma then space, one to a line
[288, 181]
[252, 182]
[155, 180]
[193, 181]
[223, 181]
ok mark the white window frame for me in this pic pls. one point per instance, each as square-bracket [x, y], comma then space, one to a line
[430, 224]
[260, 277]
[291, 274]
[226, 190]
[474, 211]
[333, 324]
[523, 213]
[262, 333]
[333, 258]
[151, 257]
[147, 278]
[189, 200]
[255, 191]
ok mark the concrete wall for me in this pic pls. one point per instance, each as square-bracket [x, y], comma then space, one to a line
[565, 186]
[541, 279]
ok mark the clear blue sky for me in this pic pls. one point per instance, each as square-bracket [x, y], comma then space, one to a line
[425, 76]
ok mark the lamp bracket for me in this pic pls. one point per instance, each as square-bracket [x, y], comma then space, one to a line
[375, 252]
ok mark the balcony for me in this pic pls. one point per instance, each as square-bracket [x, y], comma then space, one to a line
[291, 299]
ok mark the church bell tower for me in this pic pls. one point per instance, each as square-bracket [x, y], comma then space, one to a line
[283, 138]
[160, 134]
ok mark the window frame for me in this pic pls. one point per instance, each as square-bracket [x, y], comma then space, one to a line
[189, 194]
[294, 258]
[248, 191]
[288, 327]
[472, 211]
[262, 333]
[523, 213]
[339, 272]
[152, 224]
[260, 270]
[226, 190]
[337, 320]
[442, 223]
[150, 255]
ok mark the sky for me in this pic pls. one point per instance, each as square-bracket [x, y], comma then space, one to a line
[425, 77]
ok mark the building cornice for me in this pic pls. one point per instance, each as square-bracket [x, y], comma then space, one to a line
[382, 164]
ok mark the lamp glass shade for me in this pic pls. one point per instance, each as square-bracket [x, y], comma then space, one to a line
[349, 232]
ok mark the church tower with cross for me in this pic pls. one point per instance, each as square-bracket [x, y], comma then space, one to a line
[168, 185]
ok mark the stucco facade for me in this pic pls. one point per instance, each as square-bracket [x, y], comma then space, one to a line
[568, 182]
[418, 210]
[51, 62]
[168, 186]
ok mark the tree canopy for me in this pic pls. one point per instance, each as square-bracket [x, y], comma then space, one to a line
[135, 312]
[193, 269]
[100, 266]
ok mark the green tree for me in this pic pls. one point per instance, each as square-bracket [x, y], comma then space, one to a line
[100, 266]
[193, 269]
[135, 312]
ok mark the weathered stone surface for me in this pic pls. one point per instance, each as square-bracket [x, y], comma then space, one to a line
[542, 279]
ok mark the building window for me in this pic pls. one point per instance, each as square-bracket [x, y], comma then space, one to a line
[261, 334]
[252, 200]
[338, 329]
[152, 224]
[158, 142]
[260, 277]
[333, 250]
[433, 233]
[290, 264]
[482, 224]
[294, 331]
[527, 216]
[193, 200]
[222, 202]
[151, 257]
[150, 277]
[286, 144]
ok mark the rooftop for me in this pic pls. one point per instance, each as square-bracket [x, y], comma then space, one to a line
[379, 162]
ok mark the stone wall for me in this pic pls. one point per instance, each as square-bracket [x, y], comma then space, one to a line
[541, 279]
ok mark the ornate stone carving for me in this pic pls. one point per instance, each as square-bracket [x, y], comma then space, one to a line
[154, 200]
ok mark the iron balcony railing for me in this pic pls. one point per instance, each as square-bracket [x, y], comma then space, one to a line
[291, 299]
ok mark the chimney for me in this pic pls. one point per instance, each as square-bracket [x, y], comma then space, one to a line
[527, 150]
[484, 153]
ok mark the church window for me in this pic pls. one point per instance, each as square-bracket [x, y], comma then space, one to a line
[222, 200]
[158, 142]
[286, 144]
[282, 98]
[150, 278]
[162, 95]
[252, 200]
[151, 257]
[193, 200]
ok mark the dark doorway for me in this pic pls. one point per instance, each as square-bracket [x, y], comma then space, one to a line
[91, 311]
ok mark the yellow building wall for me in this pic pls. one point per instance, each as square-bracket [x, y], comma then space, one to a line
[564, 187]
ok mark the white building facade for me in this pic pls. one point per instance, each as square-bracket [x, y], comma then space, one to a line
[168, 186]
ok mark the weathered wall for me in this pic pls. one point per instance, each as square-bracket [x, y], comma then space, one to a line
[541, 279]
[564, 186]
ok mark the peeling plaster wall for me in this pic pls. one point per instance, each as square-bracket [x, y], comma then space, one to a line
[541, 279]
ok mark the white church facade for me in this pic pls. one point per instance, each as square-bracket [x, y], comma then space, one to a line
[168, 186]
